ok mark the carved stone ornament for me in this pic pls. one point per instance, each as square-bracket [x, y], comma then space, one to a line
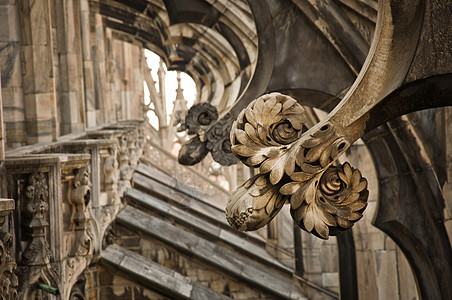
[295, 167]
[214, 139]
[35, 265]
[110, 172]
[8, 282]
[199, 116]
[37, 198]
[80, 197]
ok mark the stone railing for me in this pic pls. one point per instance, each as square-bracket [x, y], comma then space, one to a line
[186, 175]
[66, 196]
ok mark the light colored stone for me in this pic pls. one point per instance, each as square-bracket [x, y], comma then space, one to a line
[367, 275]
[9, 31]
[330, 279]
[407, 282]
[387, 279]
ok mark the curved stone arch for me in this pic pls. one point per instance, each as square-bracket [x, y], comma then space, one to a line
[214, 17]
[412, 218]
[207, 77]
[219, 132]
[209, 14]
[430, 92]
[149, 30]
[220, 55]
[265, 57]
[236, 43]
[151, 26]
[314, 98]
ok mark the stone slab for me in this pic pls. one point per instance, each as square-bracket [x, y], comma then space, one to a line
[200, 225]
[220, 257]
[156, 276]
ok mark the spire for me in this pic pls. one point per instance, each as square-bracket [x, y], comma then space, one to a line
[161, 73]
[179, 90]
[180, 104]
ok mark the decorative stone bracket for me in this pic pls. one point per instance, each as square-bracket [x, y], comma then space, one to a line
[80, 197]
[295, 168]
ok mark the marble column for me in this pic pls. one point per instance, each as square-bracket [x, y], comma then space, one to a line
[71, 98]
[37, 70]
[11, 74]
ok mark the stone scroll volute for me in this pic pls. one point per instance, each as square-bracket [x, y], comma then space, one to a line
[295, 167]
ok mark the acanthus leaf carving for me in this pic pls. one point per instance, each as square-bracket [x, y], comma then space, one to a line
[218, 142]
[193, 151]
[324, 199]
[254, 204]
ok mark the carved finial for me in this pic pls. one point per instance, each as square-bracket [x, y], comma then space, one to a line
[294, 166]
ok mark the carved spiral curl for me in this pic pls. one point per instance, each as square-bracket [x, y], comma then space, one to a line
[324, 199]
[200, 115]
[262, 132]
[329, 203]
[284, 133]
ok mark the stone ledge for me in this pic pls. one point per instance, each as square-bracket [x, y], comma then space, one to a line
[222, 258]
[206, 228]
[6, 205]
[156, 276]
[172, 182]
[147, 183]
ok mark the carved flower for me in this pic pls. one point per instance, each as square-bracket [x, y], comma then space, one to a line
[200, 116]
[264, 132]
[328, 202]
[324, 199]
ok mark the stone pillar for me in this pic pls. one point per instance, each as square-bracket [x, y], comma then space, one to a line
[88, 69]
[447, 187]
[2, 135]
[11, 74]
[136, 81]
[37, 70]
[117, 81]
[71, 81]
[102, 81]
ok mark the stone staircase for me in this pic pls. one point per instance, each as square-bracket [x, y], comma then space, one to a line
[177, 242]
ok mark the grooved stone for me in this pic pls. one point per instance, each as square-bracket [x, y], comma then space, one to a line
[157, 276]
[205, 227]
[227, 260]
